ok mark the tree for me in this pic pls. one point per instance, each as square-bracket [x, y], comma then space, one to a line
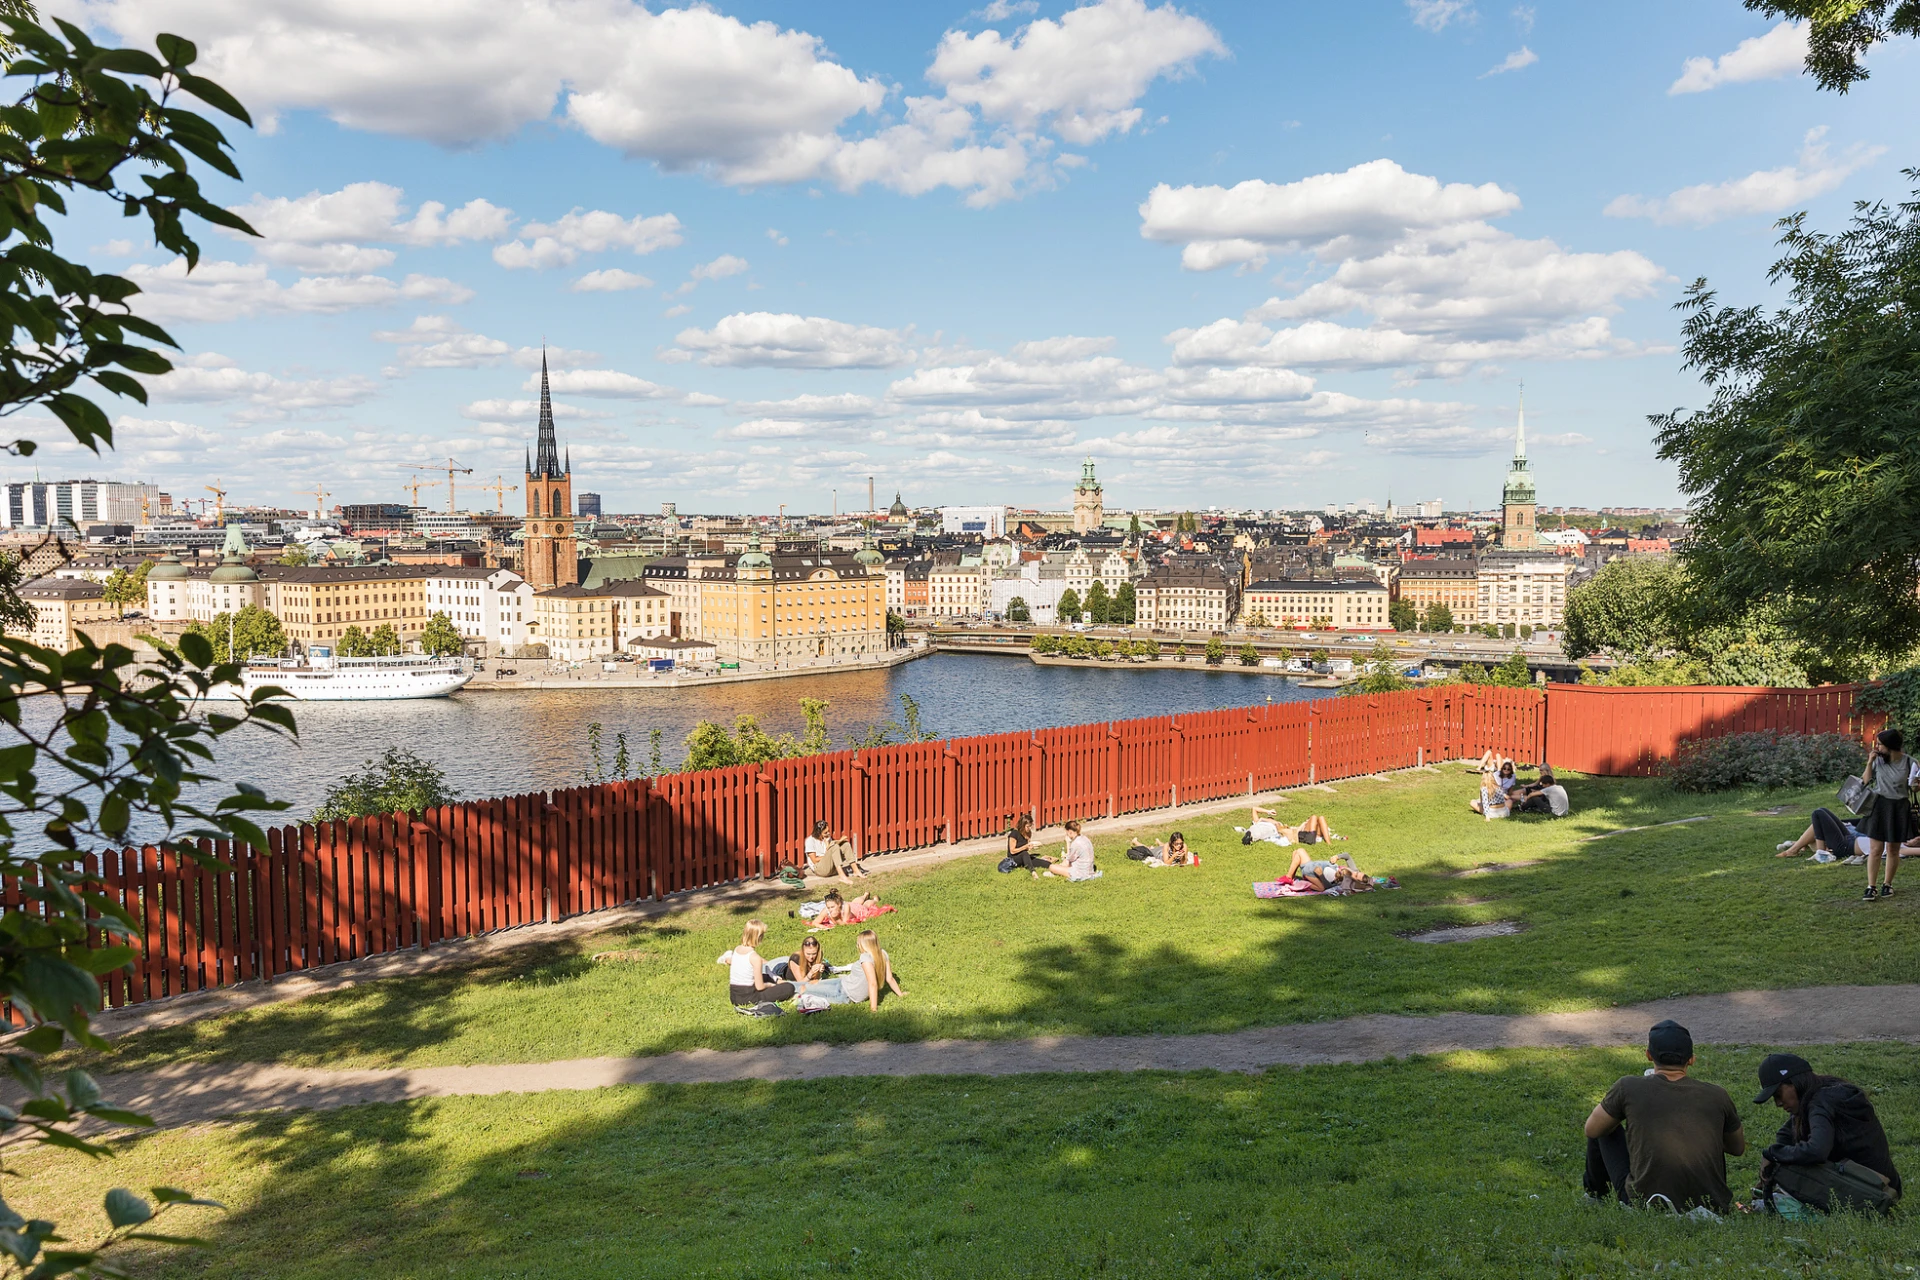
[1099, 603]
[1259, 620]
[1069, 607]
[254, 632]
[1402, 616]
[1133, 527]
[1125, 602]
[439, 637]
[1642, 612]
[353, 644]
[395, 781]
[1842, 31]
[1249, 656]
[1807, 497]
[1381, 674]
[1321, 657]
[123, 588]
[295, 556]
[116, 750]
[385, 641]
[1043, 643]
[1438, 618]
[896, 625]
[1216, 651]
[1512, 673]
[1017, 610]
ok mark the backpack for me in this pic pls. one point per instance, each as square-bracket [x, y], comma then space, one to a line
[1139, 853]
[1008, 865]
[1246, 837]
[765, 1009]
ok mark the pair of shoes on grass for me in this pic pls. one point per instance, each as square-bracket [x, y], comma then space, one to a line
[1885, 891]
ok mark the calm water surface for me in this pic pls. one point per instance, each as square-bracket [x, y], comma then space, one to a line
[503, 743]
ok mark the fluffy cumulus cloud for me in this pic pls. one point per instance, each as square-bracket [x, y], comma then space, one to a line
[1521, 57]
[218, 291]
[435, 342]
[610, 280]
[720, 268]
[559, 243]
[1767, 191]
[211, 378]
[604, 384]
[766, 340]
[1780, 52]
[693, 89]
[1439, 288]
[334, 231]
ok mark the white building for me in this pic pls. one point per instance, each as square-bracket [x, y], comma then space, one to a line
[957, 590]
[57, 504]
[489, 607]
[1530, 593]
[1040, 594]
[1185, 596]
[988, 522]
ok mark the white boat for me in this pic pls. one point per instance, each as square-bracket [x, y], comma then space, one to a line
[321, 677]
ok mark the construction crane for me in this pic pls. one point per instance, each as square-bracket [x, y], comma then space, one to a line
[499, 489]
[320, 496]
[219, 502]
[453, 468]
[416, 485]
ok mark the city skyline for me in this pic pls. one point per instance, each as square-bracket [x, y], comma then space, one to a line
[1238, 274]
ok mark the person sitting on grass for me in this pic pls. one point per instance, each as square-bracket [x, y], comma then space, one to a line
[1078, 862]
[1664, 1136]
[807, 965]
[1830, 1139]
[1545, 796]
[1020, 845]
[827, 857]
[1828, 832]
[872, 972]
[836, 911]
[747, 981]
[1497, 780]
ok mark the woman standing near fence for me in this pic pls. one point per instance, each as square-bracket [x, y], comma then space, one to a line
[1888, 823]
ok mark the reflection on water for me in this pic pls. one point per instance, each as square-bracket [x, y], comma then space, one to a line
[504, 743]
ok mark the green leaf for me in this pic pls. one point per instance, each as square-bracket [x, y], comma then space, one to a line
[125, 1209]
[43, 1040]
[214, 96]
[177, 50]
[120, 1115]
[82, 1090]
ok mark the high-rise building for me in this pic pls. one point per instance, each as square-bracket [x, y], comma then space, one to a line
[1089, 507]
[1517, 498]
[65, 504]
[590, 505]
[548, 555]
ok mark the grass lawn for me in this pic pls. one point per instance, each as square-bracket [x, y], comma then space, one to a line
[1683, 909]
[1456, 1165]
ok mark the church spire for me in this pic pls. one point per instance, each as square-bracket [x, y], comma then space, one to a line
[1520, 438]
[546, 462]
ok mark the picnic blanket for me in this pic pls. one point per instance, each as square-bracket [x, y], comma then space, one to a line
[860, 914]
[1284, 888]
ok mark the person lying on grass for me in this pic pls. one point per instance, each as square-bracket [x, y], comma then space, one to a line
[1827, 832]
[1830, 1124]
[1078, 862]
[1662, 1135]
[1324, 875]
[1172, 852]
[835, 911]
[1312, 830]
[747, 981]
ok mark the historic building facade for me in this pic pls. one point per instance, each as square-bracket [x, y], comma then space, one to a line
[1089, 507]
[549, 557]
[770, 608]
[1517, 530]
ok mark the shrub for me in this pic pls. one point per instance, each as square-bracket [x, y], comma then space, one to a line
[1756, 761]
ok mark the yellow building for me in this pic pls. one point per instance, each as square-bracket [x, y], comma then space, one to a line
[317, 604]
[1351, 605]
[764, 608]
[1453, 583]
[575, 624]
[62, 606]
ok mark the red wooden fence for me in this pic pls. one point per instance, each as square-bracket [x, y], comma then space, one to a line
[320, 894]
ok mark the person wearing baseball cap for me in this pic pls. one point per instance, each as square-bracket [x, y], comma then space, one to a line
[1664, 1135]
[1832, 1149]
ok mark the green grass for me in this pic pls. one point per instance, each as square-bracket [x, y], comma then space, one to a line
[1459, 1165]
[1695, 908]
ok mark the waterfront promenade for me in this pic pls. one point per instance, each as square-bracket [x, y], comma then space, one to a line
[587, 677]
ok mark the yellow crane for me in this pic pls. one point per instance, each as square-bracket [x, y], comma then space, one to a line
[320, 496]
[452, 469]
[219, 502]
[415, 486]
[499, 489]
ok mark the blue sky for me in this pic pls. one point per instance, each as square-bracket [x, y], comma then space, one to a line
[1244, 254]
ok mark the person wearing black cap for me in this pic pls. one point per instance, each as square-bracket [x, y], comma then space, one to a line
[1831, 1150]
[1678, 1132]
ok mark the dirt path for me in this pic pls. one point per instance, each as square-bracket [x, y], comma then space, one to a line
[195, 1092]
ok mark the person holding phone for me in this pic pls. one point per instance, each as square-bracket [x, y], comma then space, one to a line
[1888, 823]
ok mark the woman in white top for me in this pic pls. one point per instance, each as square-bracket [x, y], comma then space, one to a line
[827, 857]
[1078, 864]
[747, 973]
[873, 971]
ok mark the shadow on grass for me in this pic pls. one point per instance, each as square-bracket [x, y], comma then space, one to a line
[1657, 913]
[1463, 1165]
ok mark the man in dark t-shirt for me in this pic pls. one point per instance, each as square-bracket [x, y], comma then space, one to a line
[1664, 1134]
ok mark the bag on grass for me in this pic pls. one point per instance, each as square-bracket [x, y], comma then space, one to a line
[765, 1009]
[1008, 866]
[1139, 853]
[810, 1003]
[1839, 1184]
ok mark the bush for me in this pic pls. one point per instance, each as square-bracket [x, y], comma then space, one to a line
[1759, 761]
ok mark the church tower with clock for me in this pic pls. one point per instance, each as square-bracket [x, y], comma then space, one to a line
[548, 555]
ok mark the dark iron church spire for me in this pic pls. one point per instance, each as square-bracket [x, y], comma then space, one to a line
[546, 461]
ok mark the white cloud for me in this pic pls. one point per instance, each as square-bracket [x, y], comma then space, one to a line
[1768, 191]
[557, 244]
[219, 291]
[1001, 10]
[330, 231]
[678, 309]
[1521, 57]
[419, 288]
[720, 268]
[761, 338]
[602, 383]
[1081, 75]
[1782, 51]
[1321, 344]
[690, 89]
[773, 234]
[117, 249]
[519, 412]
[212, 378]
[553, 357]
[1523, 17]
[1375, 202]
[609, 280]
[845, 405]
[435, 342]
[1435, 15]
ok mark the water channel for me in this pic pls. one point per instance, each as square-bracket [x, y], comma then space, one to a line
[503, 743]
